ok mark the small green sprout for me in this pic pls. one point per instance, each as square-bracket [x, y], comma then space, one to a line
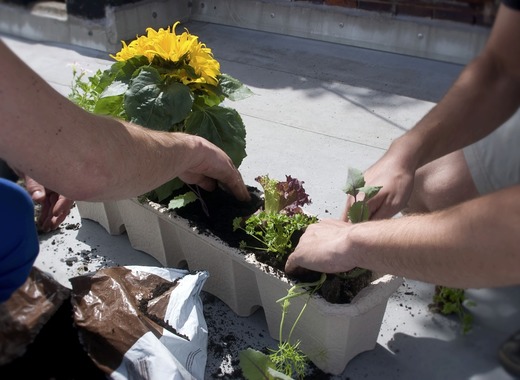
[288, 360]
[448, 301]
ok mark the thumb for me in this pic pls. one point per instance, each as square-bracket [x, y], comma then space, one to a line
[35, 189]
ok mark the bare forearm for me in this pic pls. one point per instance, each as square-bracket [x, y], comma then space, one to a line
[96, 158]
[87, 157]
[459, 247]
[480, 101]
[485, 95]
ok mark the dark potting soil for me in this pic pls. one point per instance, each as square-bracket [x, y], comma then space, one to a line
[216, 215]
[216, 212]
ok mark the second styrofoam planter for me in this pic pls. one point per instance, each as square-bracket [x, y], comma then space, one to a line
[330, 334]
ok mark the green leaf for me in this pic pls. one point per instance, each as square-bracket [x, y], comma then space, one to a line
[182, 200]
[369, 191]
[233, 89]
[112, 106]
[148, 102]
[257, 366]
[355, 181]
[271, 194]
[275, 230]
[449, 301]
[223, 127]
[111, 101]
[237, 223]
[358, 212]
[116, 88]
[165, 190]
[105, 84]
[85, 93]
[124, 71]
[274, 374]
[210, 99]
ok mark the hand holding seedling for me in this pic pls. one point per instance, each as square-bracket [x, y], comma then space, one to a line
[396, 178]
[321, 248]
[359, 210]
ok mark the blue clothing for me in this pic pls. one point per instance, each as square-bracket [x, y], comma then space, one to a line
[19, 243]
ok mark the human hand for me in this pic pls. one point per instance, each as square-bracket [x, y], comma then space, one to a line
[209, 166]
[54, 207]
[396, 183]
[322, 248]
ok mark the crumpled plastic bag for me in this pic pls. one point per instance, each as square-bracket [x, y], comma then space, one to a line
[140, 322]
[28, 309]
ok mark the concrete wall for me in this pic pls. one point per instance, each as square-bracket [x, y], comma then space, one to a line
[418, 36]
[387, 29]
[477, 12]
[50, 21]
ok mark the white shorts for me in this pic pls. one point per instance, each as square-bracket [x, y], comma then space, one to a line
[494, 161]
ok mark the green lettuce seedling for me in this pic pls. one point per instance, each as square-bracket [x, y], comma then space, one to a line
[281, 217]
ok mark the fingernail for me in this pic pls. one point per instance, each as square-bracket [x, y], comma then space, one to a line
[37, 194]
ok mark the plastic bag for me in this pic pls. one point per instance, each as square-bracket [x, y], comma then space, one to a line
[28, 309]
[142, 322]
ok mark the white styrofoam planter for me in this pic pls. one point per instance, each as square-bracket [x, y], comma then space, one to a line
[330, 334]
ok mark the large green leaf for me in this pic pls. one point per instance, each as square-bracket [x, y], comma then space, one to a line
[257, 366]
[369, 191]
[110, 105]
[182, 200]
[232, 88]
[152, 104]
[355, 180]
[111, 101]
[115, 79]
[124, 71]
[116, 88]
[223, 127]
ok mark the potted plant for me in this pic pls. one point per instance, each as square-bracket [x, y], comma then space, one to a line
[274, 231]
[155, 223]
[244, 283]
[168, 82]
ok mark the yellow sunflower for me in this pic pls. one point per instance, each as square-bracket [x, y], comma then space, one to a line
[183, 49]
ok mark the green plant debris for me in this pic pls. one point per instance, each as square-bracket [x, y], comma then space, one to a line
[449, 301]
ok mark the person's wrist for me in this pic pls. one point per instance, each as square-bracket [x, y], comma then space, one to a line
[405, 153]
[355, 244]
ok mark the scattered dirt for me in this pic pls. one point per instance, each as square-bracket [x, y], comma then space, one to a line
[156, 293]
[235, 338]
